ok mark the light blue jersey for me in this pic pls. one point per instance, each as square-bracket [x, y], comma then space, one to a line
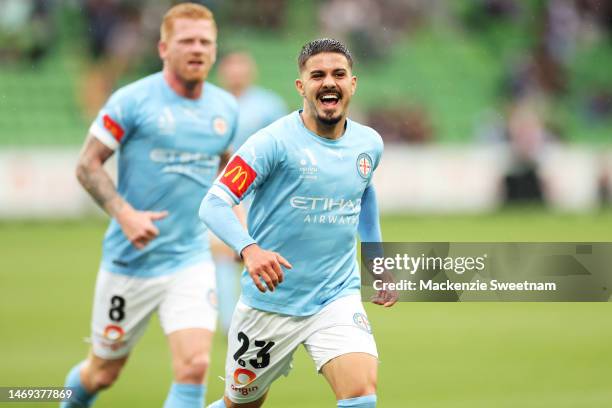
[168, 157]
[258, 108]
[306, 206]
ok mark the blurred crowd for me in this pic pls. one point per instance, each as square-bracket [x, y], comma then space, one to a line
[120, 38]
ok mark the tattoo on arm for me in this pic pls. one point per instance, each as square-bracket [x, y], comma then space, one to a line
[94, 179]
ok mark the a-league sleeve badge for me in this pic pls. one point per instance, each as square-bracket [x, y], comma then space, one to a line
[364, 165]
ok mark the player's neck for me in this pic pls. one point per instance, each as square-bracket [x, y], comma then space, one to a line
[326, 131]
[189, 90]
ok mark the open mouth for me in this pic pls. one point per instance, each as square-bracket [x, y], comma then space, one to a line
[197, 64]
[329, 99]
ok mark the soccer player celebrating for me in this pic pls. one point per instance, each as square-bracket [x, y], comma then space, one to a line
[258, 107]
[311, 174]
[171, 129]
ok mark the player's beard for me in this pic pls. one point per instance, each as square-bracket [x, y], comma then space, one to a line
[330, 120]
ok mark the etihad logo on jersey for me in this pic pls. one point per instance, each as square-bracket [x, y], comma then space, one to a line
[113, 127]
[238, 176]
[328, 210]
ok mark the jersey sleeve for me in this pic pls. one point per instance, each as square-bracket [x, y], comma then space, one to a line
[247, 169]
[377, 153]
[115, 121]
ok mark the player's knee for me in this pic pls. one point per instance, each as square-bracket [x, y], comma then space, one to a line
[193, 370]
[105, 377]
[358, 390]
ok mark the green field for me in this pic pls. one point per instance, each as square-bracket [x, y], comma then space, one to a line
[464, 355]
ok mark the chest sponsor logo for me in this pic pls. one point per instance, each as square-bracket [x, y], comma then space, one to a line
[327, 210]
[238, 176]
[113, 127]
[364, 165]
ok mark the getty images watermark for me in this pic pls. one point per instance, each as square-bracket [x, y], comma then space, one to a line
[442, 271]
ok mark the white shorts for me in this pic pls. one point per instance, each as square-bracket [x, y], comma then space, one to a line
[261, 344]
[124, 304]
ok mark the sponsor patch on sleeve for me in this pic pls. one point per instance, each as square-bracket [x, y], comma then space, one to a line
[113, 127]
[238, 176]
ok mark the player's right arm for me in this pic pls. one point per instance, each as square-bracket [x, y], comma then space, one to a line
[105, 135]
[247, 169]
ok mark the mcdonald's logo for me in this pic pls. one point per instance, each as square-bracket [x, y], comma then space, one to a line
[238, 176]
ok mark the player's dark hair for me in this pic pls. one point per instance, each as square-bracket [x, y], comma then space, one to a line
[323, 45]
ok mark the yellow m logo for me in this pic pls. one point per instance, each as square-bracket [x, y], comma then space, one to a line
[238, 174]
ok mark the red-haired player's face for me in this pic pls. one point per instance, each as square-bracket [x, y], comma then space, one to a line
[191, 50]
[327, 85]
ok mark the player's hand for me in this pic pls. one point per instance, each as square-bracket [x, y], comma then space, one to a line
[138, 226]
[264, 265]
[386, 298]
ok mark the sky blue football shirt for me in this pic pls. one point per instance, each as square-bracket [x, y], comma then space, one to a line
[168, 156]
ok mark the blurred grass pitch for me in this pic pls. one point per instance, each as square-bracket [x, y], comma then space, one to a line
[464, 355]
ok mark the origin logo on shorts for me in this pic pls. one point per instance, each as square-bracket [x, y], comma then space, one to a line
[242, 379]
[238, 176]
[362, 322]
[113, 332]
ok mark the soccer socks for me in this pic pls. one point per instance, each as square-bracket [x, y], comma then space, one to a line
[185, 396]
[368, 401]
[218, 404]
[80, 397]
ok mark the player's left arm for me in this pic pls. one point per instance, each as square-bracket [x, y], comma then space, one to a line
[369, 231]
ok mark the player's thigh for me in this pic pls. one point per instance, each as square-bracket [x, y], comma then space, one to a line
[190, 300]
[343, 348]
[351, 375]
[260, 350]
[121, 311]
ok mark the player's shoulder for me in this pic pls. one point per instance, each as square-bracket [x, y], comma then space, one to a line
[368, 133]
[221, 96]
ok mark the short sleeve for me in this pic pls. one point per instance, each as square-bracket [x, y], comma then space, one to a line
[115, 120]
[248, 168]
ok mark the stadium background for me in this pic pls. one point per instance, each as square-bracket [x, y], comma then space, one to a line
[516, 92]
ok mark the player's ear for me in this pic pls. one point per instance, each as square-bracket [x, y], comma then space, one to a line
[214, 53]
[162, 48]
[299, 85]
[353, 84]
